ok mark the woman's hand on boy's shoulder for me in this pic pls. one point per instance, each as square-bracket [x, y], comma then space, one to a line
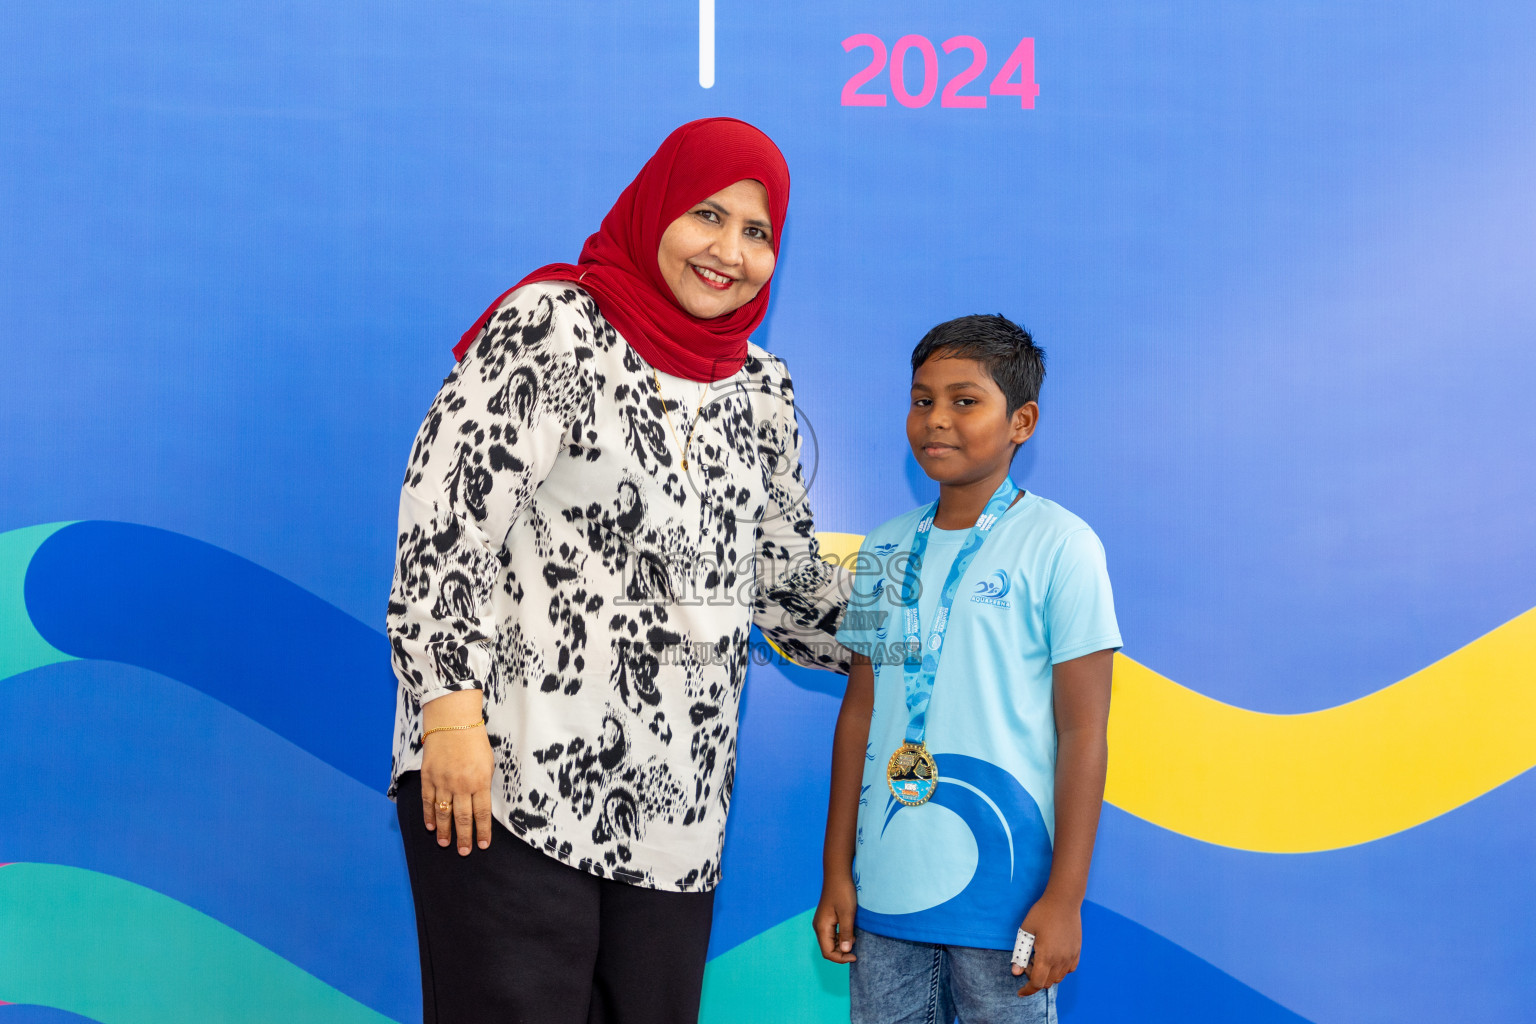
[1057, 925]
[833, 920]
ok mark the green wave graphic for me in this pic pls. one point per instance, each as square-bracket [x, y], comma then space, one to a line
[119, 953]
[21, 646]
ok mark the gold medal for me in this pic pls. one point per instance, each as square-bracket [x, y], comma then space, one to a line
[912, 774]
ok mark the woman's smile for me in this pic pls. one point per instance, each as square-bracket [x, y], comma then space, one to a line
[712, 278]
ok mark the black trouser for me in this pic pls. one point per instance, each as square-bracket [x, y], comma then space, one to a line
[508, 935]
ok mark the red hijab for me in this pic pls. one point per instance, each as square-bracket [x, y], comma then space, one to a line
[618, 264]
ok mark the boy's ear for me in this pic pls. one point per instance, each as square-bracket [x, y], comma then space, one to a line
[1024, 420]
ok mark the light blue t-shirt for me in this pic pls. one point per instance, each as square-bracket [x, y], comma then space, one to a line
[964, 868]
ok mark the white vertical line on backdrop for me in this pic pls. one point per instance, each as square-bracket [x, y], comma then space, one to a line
[707, 43]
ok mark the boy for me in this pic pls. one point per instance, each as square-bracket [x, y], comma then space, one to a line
[954, 768]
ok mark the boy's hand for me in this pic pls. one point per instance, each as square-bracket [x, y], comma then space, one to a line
[1058, 928]
[834, 919]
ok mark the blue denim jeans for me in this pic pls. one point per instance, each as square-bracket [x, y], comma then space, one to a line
[898, 982]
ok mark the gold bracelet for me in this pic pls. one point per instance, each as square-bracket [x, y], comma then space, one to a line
[451, 728]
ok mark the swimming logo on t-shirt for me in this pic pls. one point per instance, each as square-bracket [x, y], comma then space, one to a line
[993, 590]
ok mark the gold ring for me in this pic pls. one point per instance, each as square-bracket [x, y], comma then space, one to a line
[445, 805]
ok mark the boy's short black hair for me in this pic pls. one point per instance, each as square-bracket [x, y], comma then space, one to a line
[1003, 348]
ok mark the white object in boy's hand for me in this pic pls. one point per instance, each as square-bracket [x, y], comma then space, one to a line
[1024, 949]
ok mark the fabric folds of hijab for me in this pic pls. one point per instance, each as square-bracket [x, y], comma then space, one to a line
[618, 265]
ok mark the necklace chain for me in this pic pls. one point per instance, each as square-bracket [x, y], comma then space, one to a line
[682, 446]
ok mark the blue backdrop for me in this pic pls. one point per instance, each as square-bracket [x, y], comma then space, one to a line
[1281, 258]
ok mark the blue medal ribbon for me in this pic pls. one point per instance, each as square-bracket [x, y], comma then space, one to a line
[919, 671]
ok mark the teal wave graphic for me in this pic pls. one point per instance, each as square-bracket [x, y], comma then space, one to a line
[119, 953]
[22, 647]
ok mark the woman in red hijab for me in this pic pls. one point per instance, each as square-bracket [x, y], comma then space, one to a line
[603, 500]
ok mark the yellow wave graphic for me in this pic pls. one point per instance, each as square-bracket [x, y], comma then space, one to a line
[1324, 779]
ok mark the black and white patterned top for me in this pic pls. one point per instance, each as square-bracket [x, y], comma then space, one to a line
[554, 553]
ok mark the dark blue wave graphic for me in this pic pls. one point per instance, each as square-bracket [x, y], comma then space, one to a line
[240, 633]
[1131, 974]
[21, 1013]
